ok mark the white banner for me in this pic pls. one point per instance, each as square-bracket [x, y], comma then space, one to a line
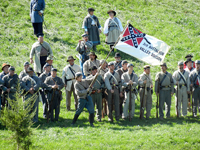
[142, 46]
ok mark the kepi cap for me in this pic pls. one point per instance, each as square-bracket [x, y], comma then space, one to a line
[29, 69]
[49, 58]
[110, 63]
[54, 69]
[197, 62]
[124, 62]
[129, 65]
[180, 63]
[84, 34]
[146, 67]
[163, 64]
[78, 74]
[26, 63]
[11, 68]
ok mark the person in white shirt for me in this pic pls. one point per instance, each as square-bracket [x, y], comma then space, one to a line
[68, 77]
[112, 28]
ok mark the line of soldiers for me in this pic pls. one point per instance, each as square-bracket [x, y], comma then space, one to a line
[115, 88]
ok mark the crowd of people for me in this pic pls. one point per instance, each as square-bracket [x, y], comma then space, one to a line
[108, 87]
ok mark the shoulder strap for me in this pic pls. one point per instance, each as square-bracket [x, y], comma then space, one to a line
[72, 71]
[117, 64]
[163, 78]
[182, 76]
[94, 21]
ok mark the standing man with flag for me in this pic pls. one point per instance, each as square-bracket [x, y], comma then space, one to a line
[92, 27]
[112, 28]
[195, 84]
[36, 14]
[68, 77]
[181, 79]
[165, 88]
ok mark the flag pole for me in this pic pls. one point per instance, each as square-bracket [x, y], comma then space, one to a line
[107, 57]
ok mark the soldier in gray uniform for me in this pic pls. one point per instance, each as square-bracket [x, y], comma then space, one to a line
[195, 84]
[93, 61]
[84, 99]
[102, 72]
[10, 85]
[164, 88]
[182, 82]
[117, 62]
[129, 83]
[145, 90]
[42, 77]
[113, 85]
[23, 73]
[97, 92]
[104, 68]
[120, 71]
[84, 46]
[31, 85]
[54, 94]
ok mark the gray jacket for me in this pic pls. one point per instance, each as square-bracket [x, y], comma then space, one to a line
[84, 47]
[81, 88]
[112, 79]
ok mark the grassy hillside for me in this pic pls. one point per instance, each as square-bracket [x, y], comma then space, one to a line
[174, 21]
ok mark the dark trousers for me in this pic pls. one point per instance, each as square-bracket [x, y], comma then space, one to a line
[85, 103]
[42, 63]
[55, 106]
[38, 29]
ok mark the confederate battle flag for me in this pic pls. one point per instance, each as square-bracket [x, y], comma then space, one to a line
[142, 46]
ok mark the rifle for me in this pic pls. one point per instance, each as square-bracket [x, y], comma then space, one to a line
[130, 108]
[177, 113]
[158, 98]
[142, 102]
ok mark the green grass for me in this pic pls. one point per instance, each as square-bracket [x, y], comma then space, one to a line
[174, 21]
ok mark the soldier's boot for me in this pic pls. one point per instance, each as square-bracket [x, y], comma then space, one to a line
[91, 118]
[74, 120]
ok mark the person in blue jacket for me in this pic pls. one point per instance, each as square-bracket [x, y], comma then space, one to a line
[36, 13]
